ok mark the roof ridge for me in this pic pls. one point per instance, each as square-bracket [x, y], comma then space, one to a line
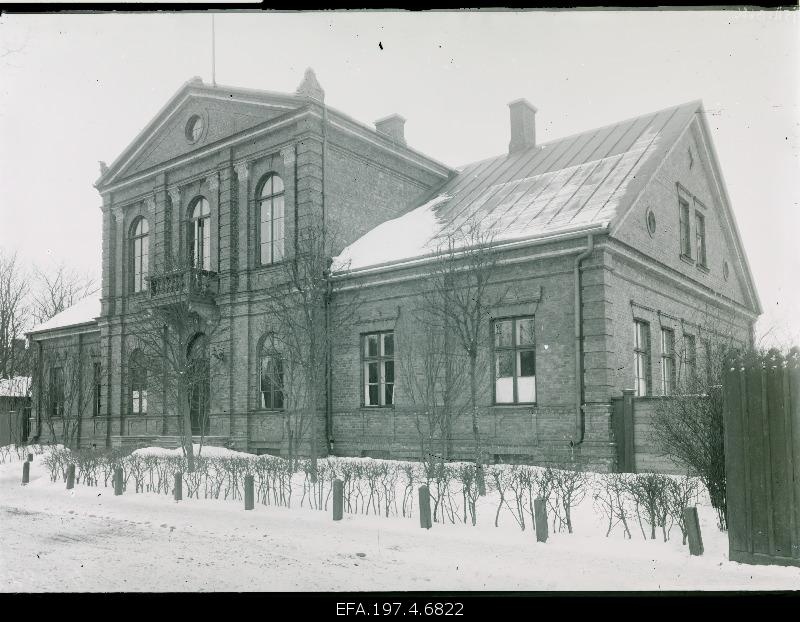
[699, 102]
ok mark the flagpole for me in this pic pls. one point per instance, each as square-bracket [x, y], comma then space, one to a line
[213, 54]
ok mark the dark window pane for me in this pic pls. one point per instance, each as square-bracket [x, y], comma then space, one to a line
[372, 345]
[388, 344]
[388, 369]
[525, 332]
[373, 395]
[372, 372]
[389, 394]
[527, 366]
[504, 367]
[502, 333]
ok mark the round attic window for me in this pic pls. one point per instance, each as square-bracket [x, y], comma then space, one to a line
[651, 221]
[194, 128]
[725, 270]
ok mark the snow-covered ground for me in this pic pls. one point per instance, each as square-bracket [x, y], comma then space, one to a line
[87, 539]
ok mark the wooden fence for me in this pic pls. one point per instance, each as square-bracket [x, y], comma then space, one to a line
[762, 458]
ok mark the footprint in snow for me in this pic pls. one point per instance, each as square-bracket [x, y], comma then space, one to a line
[163, 525]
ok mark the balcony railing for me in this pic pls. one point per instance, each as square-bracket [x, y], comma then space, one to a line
[192, 282]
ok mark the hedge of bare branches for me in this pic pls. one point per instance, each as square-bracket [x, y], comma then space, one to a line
[650, 501]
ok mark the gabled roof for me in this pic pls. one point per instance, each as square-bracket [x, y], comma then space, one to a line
[286, 103]
[84, 311]
[587, 180]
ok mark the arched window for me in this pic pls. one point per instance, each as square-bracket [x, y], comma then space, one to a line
[271, 388]
[140, 251]
[199, 381]
[138, 383]
[270, 218]
[200, 234]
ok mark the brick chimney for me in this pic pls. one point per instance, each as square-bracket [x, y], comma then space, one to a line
[523, 125]
[392, 126]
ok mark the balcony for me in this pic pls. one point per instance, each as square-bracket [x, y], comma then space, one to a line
[197, 287]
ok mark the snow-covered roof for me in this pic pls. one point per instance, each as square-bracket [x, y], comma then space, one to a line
[582, 181]
[82, 312]
[18, 386]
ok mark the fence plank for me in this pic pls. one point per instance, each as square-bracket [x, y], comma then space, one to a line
[540, 512]
[757, 484]
[338, 499]
[178, 491]
[249, 503]
[735, 456]
[693, 531]
[424, 508]
[118, 482]
[779, 467]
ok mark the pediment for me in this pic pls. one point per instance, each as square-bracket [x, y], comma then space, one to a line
[214, 113]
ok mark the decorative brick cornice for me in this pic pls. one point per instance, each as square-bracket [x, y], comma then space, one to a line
[287, 153]
[242, 170]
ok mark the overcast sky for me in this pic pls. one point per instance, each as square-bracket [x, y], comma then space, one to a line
[81, 87]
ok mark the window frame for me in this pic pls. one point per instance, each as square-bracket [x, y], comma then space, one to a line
[668, 380]
[685, 226]
[140, 241]
[56, 390]
[701, 248]
[381, 359]
[642, 353]
[200, 222]
[97, 388]
[260, 201]
[690, 357]
[137, 381]
[272, 353]
[516, 349]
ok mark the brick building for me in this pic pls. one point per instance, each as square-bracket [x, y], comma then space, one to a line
[629, 225]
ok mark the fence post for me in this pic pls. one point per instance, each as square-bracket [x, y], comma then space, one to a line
[178, 486]
[693, 531]
[248, 492]
[338, 499]
[540, 511]
[118, 481]
[70, 476]
[30, 457]
[26, 472]
[424, 507]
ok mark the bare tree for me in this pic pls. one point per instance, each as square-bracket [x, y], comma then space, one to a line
[59, 289]
[173, 336]
[303, 323]
[435, 379]
[460, 300]
[14, 317]
[688, 426]
[66, 381]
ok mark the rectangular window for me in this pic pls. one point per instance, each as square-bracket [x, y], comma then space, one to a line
[56, 405]
[700, 233]
[641, 358]
[685, 227]
[689, 358]
[667, 361]
[514, 361]
[377, 358]
[97, 389]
